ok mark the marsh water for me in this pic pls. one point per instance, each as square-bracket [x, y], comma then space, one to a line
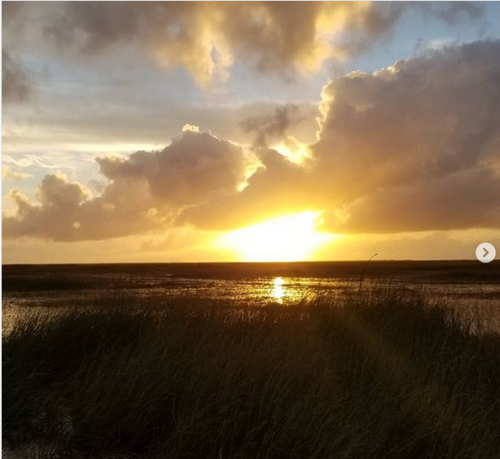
[468, 286]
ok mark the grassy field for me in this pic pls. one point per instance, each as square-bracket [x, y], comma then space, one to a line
[374, 376]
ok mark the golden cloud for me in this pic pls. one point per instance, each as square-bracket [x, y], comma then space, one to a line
[397, 150]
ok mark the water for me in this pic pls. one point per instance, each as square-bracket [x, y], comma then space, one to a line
[469, 288]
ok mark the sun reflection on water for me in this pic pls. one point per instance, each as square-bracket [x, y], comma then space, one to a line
[278, 291]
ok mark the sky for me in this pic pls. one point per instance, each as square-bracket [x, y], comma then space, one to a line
[249, 131]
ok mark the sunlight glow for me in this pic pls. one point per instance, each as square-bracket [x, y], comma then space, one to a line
[278, 292]
[290, 238]
[293, 150]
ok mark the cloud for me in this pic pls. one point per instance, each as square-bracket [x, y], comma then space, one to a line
[144, 192]
[414, 137]
[412, 147]
[205, 38]
[451, 12]
[28, 161]
[468, 199]
[16, 79]
[10, 175]
[194, 168]
[123, 124]
[271, 127]
[278, 187]
[66, 211]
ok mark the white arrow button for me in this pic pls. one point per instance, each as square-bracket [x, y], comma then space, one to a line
[486, 252]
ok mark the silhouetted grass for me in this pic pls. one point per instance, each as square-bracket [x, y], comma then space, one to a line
[378, 375]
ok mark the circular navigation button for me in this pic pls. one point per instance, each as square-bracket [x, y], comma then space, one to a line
[485, 252]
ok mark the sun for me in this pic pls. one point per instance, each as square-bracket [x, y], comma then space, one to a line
[290, 238]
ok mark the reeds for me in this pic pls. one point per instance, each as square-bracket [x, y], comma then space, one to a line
[379, 375]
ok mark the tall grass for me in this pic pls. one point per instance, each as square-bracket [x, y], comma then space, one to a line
[379, 375]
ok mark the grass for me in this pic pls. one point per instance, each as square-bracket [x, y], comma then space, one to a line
[377, 375]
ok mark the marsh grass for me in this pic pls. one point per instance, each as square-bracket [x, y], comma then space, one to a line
[378, 375]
